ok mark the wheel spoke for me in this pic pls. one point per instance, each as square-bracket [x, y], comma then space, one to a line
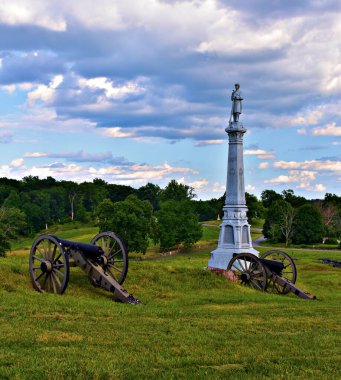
[37, 278]
[111, 248]
[242, 267]
[61, 265]
[41, 253]
[54, 252]
[59, 272]
[57, 280]
[39, 259]
[109, 257]
[113, 266]
[58, 257]
[112, 274]
[53, 284]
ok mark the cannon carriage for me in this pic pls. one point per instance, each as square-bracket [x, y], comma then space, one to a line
[275, 271]
[104, 260]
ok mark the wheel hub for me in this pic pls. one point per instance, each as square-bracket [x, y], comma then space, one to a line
[46, 266]
[245, 277]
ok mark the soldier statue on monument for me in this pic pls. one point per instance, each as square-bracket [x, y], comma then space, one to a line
[236, 99]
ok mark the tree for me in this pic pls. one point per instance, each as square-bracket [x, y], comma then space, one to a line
[131, 219]
[12, 221]
[278, 224]
[254, 206]
[177, 223]
[177, 191]
[294, 200]
[13, 200]
[269, 196]
[308, 225]
[151, 193]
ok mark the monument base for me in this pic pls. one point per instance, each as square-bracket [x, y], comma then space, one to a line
[221, 257]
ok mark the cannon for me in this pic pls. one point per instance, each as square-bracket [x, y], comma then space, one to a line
[275, 271]
[104, 260]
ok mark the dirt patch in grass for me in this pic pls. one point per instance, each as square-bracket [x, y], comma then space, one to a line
[59, 336]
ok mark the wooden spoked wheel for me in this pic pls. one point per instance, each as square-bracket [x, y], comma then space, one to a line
[116, 253]
[289, 272]
[48, 265]
[249, 271]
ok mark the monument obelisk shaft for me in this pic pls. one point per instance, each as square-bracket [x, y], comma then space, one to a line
[234, 234]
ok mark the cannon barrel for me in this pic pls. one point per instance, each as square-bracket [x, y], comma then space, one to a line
[89, 250]
[274, 266]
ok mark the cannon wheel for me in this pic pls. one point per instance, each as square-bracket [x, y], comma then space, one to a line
[116, 254]
[249, 270]
[48, 265]
[289, 273]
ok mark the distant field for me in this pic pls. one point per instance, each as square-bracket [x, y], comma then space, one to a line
[192, 324]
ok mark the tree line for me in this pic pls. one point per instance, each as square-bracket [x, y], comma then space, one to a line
[168, 216]
[294, 219]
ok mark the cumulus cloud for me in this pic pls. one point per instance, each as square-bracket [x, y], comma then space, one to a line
[302, 177]
[260, 153]
[334, 166]
[250, 188]
[330, 129]
[132, 174]
[82, 156]
[263, 165]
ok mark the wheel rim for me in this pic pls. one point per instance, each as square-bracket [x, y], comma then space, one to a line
[114, 249]
[289, 273]
[249, 270]
[49, 265]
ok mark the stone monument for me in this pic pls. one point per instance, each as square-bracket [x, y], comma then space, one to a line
[234, 234]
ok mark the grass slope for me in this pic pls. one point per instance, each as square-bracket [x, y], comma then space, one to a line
[192, 324]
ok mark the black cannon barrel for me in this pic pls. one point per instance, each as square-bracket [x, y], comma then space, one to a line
[274, 266]
[89, 250]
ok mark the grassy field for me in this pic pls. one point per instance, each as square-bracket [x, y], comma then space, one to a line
[192, 324]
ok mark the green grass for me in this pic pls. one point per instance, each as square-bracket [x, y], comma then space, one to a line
[309, 246]
[192, 324]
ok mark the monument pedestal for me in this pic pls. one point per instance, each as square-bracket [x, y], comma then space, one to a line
[234, 235]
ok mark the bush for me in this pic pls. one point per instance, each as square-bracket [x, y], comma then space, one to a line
[177, 223]
[308, 225]
[131, 219]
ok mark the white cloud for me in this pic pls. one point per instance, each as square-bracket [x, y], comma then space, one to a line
[263, 165]
[115, 132]
[302, 177]
[21, 12]
[249, 152]
[209, 142]
[310, 117]
[44, 93]
[199, 184]
[329, 165]
[132, 174]
[110, 90]
[17, 163]
[35, 154]
[330, 129]
[250, 188]
[320, 188]
[260, 153]
[218, 188]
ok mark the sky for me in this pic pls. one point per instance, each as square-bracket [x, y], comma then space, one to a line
[139, 91]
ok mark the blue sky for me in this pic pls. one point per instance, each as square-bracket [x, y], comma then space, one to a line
[139, 91]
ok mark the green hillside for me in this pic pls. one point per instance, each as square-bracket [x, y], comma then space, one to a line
[192, 324]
